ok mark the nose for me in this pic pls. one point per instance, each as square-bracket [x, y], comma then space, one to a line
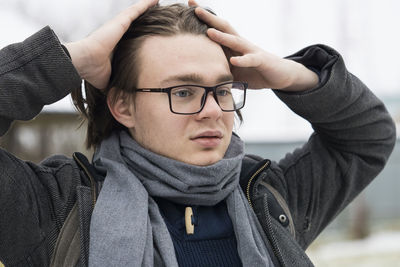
[211, 108]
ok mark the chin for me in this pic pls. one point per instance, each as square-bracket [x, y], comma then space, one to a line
[204, 159]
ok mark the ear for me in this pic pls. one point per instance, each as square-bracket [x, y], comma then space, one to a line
[122, 108]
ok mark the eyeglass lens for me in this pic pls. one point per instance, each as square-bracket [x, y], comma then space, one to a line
[190, 99]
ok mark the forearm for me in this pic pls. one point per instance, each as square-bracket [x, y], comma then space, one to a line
[354, 136]
[33, 73]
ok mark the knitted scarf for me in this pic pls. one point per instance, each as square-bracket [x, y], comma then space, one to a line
[127, 228]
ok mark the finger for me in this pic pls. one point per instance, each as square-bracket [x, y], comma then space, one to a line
[246, 61]
[192, 3]
[111, 32]
[233, 42]
[128, 15]
[214, 21]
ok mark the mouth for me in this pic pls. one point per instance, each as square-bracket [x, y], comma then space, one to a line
[208, 139]
[209, 134]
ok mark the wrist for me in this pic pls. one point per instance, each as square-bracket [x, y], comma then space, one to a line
[303, 78]
[74, 51]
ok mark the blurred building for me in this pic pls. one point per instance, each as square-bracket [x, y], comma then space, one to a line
[48, 134]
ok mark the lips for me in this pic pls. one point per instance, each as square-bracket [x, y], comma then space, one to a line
[208, 139]
[209, 134]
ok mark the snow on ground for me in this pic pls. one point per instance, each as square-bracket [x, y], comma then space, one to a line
[378, 250]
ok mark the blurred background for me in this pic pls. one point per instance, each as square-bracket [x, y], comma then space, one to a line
[365, 32]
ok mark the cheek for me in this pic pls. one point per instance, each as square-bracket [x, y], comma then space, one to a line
[165, 136]
[171, 128]
[157, 128]
[229, 119]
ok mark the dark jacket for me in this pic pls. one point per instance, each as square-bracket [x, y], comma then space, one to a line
[354, 136]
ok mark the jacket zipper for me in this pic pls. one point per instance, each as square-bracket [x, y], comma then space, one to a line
[263, 167]
[267, 225]
[92, 182]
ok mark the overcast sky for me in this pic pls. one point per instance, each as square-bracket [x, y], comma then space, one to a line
[365, 32]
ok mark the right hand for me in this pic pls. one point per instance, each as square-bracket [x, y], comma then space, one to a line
[91, 56]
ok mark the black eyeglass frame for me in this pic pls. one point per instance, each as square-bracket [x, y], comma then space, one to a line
[208, 89]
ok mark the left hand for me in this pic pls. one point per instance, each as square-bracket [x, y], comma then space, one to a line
[254, 65]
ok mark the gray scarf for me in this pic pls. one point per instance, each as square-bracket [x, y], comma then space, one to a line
[127, 228]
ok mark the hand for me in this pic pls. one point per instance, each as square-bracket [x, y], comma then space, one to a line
[92, 55]
[254, 65]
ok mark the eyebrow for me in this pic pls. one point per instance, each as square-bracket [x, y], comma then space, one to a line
[195, 78]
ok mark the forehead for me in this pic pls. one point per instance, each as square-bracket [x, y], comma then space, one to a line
[166, 61]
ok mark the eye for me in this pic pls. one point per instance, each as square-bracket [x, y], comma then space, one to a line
[223, 91]
[182, 92]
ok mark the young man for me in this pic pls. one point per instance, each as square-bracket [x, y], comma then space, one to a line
[171, 152]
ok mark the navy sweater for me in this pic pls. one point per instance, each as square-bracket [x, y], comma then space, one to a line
[213, 242]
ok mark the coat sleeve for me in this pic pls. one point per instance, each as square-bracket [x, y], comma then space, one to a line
[32, 73]
[352, 140]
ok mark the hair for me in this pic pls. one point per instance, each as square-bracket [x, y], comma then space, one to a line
[156, 21]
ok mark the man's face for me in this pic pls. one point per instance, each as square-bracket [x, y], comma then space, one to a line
[198, 139]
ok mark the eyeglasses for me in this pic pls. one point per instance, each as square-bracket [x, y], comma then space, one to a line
[190, 99]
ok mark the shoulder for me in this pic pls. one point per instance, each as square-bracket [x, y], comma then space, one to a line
[57, 169]
[16, 169]
[52, 183]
